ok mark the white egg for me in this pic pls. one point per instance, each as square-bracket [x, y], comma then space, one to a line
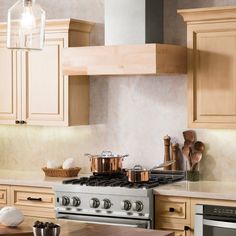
[51, 164]
[10, 216]
[68, 163]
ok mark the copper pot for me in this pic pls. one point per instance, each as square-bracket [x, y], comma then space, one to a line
[138, 174]
[106, 162]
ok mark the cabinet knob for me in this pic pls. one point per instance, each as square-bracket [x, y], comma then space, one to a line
[22, 122]
[186, 228]
[171, 209]
[17, 122]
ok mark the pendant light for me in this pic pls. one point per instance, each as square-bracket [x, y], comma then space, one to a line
[26, 23]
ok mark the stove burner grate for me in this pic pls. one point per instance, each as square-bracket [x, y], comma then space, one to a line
[121, 180]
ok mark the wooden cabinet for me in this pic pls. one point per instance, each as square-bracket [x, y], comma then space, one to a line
[33, 201]
[173, 213]
[33, 90]
[4, 195]
[211, 37]
[178, 213]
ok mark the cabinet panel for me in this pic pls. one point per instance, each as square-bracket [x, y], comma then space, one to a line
[45, 85]
[4, 195]
[174, 209]
[211, 40]
[215, 77]
[33, 201]
[179, 229]
[8, 85]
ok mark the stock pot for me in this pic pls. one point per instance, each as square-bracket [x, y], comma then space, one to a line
[106, 162]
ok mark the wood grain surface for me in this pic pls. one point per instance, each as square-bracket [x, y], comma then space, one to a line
[73, 228]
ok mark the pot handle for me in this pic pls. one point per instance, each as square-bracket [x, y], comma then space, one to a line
[137, 167]
[107, 154]
[88, 155]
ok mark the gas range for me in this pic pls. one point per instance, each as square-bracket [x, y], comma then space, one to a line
[110, 199]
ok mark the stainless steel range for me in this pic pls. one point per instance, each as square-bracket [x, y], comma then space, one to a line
[109, 199]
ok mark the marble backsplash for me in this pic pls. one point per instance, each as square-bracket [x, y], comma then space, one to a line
[128, 114]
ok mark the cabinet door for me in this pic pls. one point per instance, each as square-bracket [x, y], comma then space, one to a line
[212, 75]
[9, 88]
[45, 100]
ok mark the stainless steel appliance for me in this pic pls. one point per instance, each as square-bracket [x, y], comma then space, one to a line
[215, 220]
[110, 199]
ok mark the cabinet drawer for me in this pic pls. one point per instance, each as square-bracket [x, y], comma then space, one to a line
[179, 229]
[173, 208]
[33, 201]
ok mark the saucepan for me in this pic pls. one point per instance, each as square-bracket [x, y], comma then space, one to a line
[138, 174]
[106, 162]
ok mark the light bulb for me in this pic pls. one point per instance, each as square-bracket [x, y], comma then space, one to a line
[27, 19]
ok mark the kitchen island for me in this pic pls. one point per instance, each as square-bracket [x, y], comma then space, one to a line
[73, 228]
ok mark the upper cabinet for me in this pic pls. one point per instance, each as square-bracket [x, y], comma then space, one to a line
[136, 59]
[33, 89]
[211, 41]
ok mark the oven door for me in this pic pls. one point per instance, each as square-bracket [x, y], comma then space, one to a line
[135, 223]
[218, 228]
[206, 225]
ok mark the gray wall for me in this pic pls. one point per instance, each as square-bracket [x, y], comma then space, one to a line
[128, 114]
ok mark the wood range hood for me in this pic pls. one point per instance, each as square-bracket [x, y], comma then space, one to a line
[135, 59]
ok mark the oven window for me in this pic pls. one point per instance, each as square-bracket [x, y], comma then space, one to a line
[217, 231]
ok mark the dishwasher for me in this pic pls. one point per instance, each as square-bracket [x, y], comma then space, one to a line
[211, 220]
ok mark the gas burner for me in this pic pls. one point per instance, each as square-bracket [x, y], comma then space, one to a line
[121, 180]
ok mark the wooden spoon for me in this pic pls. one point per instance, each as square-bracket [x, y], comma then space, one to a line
[199, 146]
[195, 159]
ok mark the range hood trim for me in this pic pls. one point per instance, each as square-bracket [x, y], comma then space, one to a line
[140, 59]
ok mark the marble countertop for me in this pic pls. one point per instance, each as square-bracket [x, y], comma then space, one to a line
[201, 189]
[28, 178]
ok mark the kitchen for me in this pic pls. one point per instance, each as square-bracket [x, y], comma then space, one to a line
[159, 103]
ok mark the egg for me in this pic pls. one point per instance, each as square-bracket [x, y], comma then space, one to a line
[51, 164]
[68, 163]
[11, 216]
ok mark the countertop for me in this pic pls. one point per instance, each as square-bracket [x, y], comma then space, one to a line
[201, 189]
[73, 228]
[28, 178]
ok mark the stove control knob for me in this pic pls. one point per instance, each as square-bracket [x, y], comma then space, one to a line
[75, 201]
[64, 201]
[106, 204]
[137, 206]
[94, 203]
[126, 205]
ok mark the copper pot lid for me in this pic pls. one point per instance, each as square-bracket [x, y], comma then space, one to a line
[106, 154]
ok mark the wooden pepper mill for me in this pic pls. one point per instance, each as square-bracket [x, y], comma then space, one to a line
[167, 151]
[175, 150]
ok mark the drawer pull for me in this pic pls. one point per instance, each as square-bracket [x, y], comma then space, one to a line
[171, 209]
[34, 199]
[186, 228]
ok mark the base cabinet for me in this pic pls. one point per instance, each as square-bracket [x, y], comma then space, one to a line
[173, 214]
[178, 213]
[32, 201]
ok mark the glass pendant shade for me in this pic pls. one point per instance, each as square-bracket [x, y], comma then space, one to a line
[26, 24]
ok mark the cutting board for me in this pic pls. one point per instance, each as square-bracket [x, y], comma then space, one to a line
[20, 230]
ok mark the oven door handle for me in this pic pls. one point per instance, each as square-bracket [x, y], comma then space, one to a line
[221, 224]
[106, 221]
